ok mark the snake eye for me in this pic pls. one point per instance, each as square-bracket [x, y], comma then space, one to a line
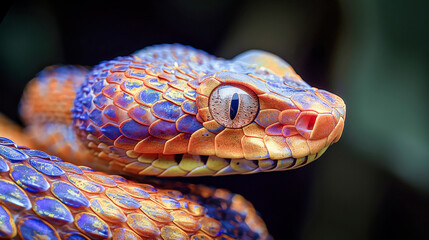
[233, 106]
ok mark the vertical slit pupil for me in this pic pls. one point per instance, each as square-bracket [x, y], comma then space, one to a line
[233, 109]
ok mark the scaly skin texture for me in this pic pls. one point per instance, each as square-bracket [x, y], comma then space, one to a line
[42, 197]
[151, 114]
[167, 110]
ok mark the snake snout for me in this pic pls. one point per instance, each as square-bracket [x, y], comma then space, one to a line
[312, 125]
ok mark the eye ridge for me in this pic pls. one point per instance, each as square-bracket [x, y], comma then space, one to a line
[234, 105]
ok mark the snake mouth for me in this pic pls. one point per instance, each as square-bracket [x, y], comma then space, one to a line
[203, 165]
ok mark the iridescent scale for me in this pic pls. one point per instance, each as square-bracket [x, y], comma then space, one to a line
[42, 197]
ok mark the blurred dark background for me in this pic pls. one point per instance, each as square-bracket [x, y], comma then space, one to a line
[373, 184]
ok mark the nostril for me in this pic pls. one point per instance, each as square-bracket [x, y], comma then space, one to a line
[305, 123]
[311, 120]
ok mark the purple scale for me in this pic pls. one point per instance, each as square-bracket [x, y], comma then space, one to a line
[28, 178]
[174, 95]
[90, 129]
[282, 89]
[68, 167]
[167, 111]
[86, 102]
[119, 179]
[190, 93]
[142, 115]
[46, 167]
[149, 96]
[52, 210]
[7, 224]
[3, 166]
[69, 194]
[275, 129]
[123, 100]
[92, 225]
[110, 112]
[130, 85]
[34, 228]
[111, 131]
[119, 69]
[55, 158]
[37, 153]
[12, 154]
[123, 200]
[95, 117]
[98, 86]
[75, 236]
[188, 124]
[110, 90]
[100, 101]
[86, 169]
[162, 129]
[189, 107]
[138, 65]
[134, 130]
[136, 73]
[13, 197]
[6, 142]
[155, 83]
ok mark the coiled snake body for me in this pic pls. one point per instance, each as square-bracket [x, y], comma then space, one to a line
[167, 110]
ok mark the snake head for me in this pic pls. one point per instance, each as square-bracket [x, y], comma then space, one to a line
[163, 113]
[268, 115]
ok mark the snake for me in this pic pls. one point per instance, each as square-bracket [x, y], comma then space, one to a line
[169, 110]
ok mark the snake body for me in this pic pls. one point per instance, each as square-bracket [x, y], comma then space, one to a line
[167, 110]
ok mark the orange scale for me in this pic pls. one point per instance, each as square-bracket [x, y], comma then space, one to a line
[254, 130]
[193, 208]
[202, 101]
[178, 144]
[185, 221]
[202, 142]
[173, 233]
[201, 236]
[107, 210]
[207, 86]
[142, 225]
[103, 180]
[150, 145]
[125, 143]
[289, 116]
[172, 193]
[155, 212]
[115, 78]
[316, 146]
[254, 148]
[272, 101]
[204, 114]
[298, 146]
[228, 143]
[277, 147]
[211, 226]
[166, 201]
[135, 191]
[123, 233]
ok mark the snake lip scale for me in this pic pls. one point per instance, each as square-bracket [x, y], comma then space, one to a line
[166, 110]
